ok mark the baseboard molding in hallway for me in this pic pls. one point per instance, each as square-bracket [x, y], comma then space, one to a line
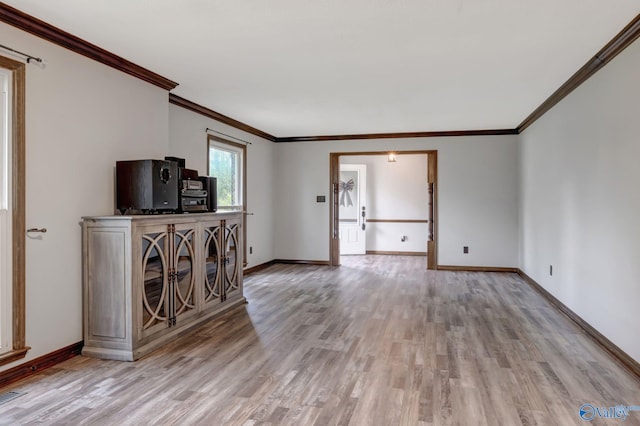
[625, 359]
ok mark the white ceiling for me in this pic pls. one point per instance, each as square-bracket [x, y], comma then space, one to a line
[328, 67]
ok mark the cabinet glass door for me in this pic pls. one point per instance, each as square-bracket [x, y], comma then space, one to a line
[212, 265]
[233, 258]
[154, 274]
[184, 279]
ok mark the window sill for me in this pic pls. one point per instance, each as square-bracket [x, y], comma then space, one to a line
[13, 355]
[229, 209]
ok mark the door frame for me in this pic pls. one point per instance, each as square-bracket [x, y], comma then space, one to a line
[334, 215]
[17, 194]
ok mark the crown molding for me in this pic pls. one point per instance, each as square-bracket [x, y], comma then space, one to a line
[57, 36]
[39, 28]
[399, 135]
[192, 106]
[620, 42]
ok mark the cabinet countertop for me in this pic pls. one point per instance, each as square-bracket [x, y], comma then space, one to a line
[168, 216]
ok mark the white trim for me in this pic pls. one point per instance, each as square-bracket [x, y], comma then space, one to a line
[228, 147]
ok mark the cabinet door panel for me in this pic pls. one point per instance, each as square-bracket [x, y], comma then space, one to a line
[184, 262]
[108, 314]
[212, 266]
[233, 255]
[154, 273]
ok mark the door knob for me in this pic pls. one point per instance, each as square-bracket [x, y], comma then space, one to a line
[43, 230]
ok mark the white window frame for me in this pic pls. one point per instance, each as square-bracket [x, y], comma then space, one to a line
[226, 145]
[215, 142]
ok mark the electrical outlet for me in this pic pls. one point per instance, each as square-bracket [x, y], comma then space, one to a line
[465, 249]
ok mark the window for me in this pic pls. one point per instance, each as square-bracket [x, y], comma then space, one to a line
[227, 162]
[12, 218]
[227, 165]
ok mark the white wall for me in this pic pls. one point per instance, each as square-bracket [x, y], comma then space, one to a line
[81, 117]
[477, 197]
[396, 190]
[580, 203]
[188, 140]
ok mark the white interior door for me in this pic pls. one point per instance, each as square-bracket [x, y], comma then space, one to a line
[351, 198]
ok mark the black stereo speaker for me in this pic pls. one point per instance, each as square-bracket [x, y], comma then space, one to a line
[146, 185]
[209, 184]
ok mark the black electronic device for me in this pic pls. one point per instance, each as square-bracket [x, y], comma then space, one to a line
[147, 185]
[181, 161]
[209, 184]
[187, 174]
[193, 198]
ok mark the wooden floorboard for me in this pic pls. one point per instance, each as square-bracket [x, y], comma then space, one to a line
[377, 341]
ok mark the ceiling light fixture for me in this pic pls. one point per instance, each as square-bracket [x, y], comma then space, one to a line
[391, 157]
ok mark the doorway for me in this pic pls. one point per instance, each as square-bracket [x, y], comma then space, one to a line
[337, 211]
[352, 192]
[12, 205]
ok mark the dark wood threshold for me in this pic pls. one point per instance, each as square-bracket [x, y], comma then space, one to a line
[34, 366]
[456, 268]
[13, 355]
[258, 268]
[625, 359]
[397, 253]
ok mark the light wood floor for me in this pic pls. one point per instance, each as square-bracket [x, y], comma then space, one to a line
[378, 341]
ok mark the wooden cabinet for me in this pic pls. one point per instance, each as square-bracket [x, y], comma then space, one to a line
[149, 279]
